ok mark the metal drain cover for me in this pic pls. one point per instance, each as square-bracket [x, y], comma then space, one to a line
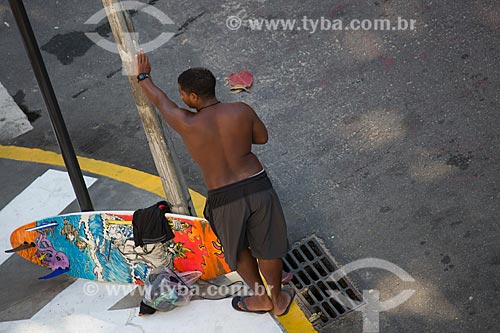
[321, 297]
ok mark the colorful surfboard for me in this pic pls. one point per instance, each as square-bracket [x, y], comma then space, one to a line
[100, 246]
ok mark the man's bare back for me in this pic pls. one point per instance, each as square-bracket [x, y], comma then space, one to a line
[219, 139]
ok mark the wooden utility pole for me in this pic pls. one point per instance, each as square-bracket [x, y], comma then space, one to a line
[173, 182]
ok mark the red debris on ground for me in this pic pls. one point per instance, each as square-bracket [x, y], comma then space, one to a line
[239, 81]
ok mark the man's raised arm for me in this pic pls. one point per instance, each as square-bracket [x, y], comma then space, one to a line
[176, 117]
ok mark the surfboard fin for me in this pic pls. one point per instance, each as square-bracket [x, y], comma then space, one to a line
[53, 274]
[23, 246]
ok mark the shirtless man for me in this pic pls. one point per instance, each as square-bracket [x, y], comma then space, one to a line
[242, 206]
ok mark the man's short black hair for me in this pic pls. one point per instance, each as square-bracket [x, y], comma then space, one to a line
[198, 80]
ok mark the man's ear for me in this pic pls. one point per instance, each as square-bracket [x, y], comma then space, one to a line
[194, 97]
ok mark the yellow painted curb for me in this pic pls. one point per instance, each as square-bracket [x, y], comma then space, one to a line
[293, 322]
[139, 179]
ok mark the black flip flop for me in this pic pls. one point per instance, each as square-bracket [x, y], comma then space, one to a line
[292, 296]
[241, 300]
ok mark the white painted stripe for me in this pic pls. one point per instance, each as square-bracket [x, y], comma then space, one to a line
[85, 303]
[84, 296]
[47, 196]
[88, 302]
[197, 316]
[13, 121]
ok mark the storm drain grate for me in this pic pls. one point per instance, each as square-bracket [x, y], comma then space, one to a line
[321, 297]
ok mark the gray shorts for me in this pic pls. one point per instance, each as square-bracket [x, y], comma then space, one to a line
[248, 214]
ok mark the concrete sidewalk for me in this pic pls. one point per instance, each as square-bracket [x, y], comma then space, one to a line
[65, 304]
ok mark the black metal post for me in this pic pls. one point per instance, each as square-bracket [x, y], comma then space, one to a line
[42, 77]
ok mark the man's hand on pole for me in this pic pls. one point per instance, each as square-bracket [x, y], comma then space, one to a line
[142, 63]
[177, 118]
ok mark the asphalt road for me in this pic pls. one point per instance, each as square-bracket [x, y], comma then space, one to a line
[383, 143]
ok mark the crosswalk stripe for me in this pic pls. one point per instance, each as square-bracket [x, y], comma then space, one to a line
[198, 316]
[13, 122]
[48, 195]
[86, 292]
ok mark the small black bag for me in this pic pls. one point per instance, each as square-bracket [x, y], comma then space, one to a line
[150, 225]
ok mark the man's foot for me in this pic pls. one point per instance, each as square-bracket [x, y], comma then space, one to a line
[282, 306]
[255, 304]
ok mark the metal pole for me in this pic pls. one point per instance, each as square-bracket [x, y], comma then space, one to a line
[161, 147]
[42, 77]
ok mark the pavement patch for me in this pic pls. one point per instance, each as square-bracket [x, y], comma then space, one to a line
[19, 98]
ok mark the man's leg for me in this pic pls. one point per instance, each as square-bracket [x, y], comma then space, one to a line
[272, 270]
[249, 271]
